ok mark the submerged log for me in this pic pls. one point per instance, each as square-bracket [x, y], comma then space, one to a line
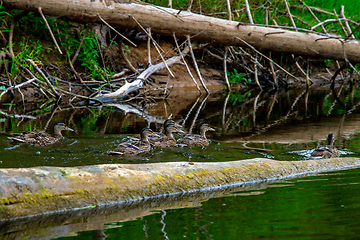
[166, 21]
[39, 190]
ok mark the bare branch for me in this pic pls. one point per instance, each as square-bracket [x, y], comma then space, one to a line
[196, 66]
[17, 86]
[225, 69]
[116, 30]
[269, 59]
[43, 76]
[49, 28]
[186, 65]
[80, 45]
[248, 11]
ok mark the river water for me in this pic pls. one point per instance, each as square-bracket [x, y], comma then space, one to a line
[283, 125]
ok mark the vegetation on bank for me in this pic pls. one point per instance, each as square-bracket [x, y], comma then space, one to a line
[30, 39]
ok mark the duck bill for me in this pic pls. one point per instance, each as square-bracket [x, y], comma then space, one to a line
[155, 135]
[211, 129]
[179, 131]
[68, 129]
[177, 125]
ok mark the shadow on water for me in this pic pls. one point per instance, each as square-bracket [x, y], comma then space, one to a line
[281, 124]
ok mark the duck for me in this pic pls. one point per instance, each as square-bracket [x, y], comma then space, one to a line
[135, 147]
[327, 151]
[167, 139]
[195, 139]
[41, 138]
[166, 123]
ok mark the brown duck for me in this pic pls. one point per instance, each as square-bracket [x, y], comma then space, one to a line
[135, 147]
[195, 139]
[167, 139]
[327, 151]
[166, 123]
[41, 138]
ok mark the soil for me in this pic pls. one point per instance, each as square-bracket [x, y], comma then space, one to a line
[211, 70]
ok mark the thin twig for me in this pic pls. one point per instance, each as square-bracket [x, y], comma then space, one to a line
[229, 9]
[327, 21]
[11, 34]
[314, 16]
[312, 8]
[225, 69]
[146, 32]
[196, 66]
[80, 45]
[116, 30]
[190, 4]
[342, 26]
[256, 74]
[290, 15]
[43, 76]
[49, 28]
[272, 70]
[295, 17]
[149, 45]
[342, 14]
[128, 63]
[162, 58]
[198, 111]
[17, 86]
[248, 11]
[73, 69]
[268, 59]
[186, 65]
[38, 86]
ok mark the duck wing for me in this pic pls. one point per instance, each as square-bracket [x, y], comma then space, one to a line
[35, 137]
[326, 151]
[131, 148]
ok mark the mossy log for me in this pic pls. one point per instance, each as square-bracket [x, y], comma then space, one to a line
[38, 190]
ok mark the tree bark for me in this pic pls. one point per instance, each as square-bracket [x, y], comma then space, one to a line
[165, 21]
[32, 191]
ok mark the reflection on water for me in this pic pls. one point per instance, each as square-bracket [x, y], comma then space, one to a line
[248, 124]
[282, 125]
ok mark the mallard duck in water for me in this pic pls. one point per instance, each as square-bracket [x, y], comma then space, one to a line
[327, 151]
[163, 133]
[167, 139]
[195, 139]
[135, 147]
[41, 138]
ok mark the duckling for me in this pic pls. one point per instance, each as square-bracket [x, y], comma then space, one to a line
[195, 139]
[327, 151]
[41, 138]
[167, 139]
[135, 147]
[165, 124]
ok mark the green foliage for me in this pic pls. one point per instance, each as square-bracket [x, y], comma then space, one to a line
[236, 97]
[89, 56]
[328, 62]
[26, 49]
[237, 77]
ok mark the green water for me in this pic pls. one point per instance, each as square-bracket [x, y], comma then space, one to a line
[325, 206]
[284, 125]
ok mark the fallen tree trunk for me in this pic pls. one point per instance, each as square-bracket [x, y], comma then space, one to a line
[39, 190]
[127, 88]
[207, 29]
